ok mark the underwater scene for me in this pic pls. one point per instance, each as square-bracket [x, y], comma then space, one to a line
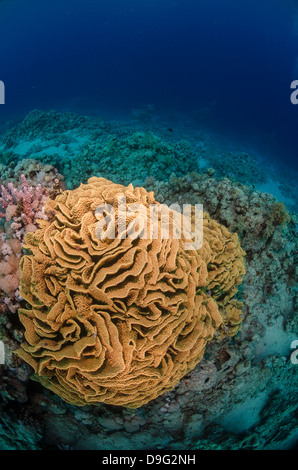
[148, 227]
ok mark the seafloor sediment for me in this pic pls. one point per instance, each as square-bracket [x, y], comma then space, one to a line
[243, 394]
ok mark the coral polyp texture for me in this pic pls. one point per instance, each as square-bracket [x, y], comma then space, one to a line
[121, 319]
[22, 200]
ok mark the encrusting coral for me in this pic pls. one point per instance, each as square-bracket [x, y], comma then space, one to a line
[117, 318]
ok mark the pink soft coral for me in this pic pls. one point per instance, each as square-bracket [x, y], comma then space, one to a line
[21, 207]
[23, 194]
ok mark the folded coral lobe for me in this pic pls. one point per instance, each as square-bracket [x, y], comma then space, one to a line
[117, 312]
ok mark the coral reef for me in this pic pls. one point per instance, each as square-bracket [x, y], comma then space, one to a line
[11, 251]
[243, 393]
[24, 190]
[115, 151]
[121, 319]
[22, 207]
[22, 202]
[35, 173]
[125, 158]
[20, 210]
[238, 166]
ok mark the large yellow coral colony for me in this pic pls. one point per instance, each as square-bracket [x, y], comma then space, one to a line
[121, 320]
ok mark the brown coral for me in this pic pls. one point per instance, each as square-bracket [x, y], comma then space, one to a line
[119, 320]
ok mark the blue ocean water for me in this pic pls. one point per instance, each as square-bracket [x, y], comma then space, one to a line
[179, 55]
